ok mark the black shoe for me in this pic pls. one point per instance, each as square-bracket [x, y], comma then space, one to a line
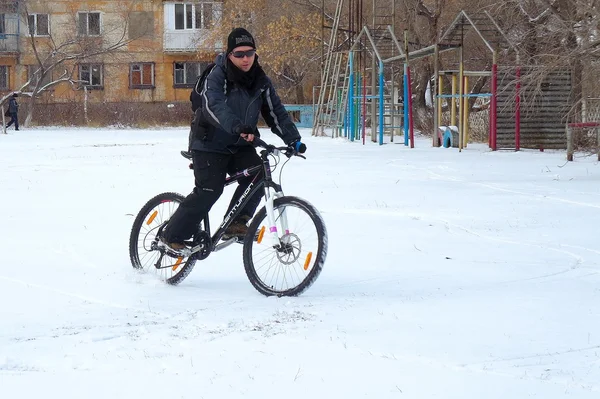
[237, 228]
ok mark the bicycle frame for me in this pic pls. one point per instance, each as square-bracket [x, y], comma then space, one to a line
[265, 182]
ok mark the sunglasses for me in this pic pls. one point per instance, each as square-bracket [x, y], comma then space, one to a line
[242, 54]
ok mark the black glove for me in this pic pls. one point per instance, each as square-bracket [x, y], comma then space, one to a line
[241, 129]
[298, 146]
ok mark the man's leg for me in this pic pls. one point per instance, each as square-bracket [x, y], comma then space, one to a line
[15, 116]
[12, 120]
[210, 170]
[245, 158]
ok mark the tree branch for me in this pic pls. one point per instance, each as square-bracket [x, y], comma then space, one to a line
[540, 19]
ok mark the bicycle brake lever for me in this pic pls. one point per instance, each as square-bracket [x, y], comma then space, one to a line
[290, 152]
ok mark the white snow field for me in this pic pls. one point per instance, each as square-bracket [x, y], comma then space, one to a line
[470, 275]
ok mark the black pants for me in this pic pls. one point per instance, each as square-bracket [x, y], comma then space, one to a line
[14, 118]
[210, 172]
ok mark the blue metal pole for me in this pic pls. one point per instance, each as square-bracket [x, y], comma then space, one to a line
[347, 115]
[351, 96]
[345, 118]
[405, 105]
[381, 105]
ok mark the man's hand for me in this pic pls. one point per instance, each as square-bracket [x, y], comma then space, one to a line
[247, 137]
[245, 131]
[298, 146]
[239, 129]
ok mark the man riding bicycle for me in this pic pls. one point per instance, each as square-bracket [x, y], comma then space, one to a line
[234, 94]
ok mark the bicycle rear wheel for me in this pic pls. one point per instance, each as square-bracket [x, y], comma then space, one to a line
[143, 240]
[291, 265]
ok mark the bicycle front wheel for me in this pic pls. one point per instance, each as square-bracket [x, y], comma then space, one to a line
[143, 239]
[290, 264]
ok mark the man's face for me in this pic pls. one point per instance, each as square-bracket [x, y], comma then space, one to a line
[243, 57]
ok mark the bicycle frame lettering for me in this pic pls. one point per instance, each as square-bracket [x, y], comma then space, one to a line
[236, 206]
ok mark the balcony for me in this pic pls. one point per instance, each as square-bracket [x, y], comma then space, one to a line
[9, 43]
[187, 26]
[189, 41]
[9, 33]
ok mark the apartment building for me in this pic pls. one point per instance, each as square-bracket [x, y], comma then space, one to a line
[141, 54]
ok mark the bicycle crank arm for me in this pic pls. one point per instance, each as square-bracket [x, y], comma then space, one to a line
[225, 244]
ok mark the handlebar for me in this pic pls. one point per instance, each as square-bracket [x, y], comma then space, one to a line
[271, 149]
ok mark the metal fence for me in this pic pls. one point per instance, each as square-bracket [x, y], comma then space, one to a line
[590, 110]
[584, 138]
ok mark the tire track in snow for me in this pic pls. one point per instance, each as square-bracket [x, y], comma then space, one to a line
[577, 259]
[512, 191]
[81, 297]
[481, 368]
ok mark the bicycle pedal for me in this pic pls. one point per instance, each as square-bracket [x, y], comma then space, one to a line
[175, 253]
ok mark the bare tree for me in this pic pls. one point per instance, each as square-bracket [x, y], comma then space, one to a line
[292, 49]
[287, 34]
[555, 34]
[75, 38]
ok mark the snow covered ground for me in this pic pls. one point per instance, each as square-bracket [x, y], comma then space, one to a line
[449, 275]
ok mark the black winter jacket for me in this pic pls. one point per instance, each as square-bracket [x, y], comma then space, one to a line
[225, 105]
[13, 106]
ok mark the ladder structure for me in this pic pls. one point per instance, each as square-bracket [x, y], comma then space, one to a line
[336, 97]
[382, 31]
[337, 89]
[325, 107]
[384, 15]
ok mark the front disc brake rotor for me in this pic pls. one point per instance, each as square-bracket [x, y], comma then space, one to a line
[289, 249]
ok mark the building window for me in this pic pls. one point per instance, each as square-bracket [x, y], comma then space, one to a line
[3, 77]
[141, 75]
[39, 24]
[194, 15]
[88, 24]
[206, 21]
[90, 75]
[186, 73]
[2, 25]
[33, 75]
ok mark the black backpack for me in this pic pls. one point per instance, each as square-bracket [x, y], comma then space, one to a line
[195, 97]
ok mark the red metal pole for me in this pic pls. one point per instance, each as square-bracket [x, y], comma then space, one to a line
[490, 131]
[411, 134]
[518, 112]
[493, 110]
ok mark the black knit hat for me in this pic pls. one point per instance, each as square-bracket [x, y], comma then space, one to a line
[239, 37]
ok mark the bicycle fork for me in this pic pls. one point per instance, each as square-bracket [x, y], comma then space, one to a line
[272, 220]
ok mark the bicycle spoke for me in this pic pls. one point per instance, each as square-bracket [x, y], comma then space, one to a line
[146, 255]
[282, 268]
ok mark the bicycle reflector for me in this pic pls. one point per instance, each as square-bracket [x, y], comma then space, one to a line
[176, 265]
[152, 217]
[261, 234]
[307, 261]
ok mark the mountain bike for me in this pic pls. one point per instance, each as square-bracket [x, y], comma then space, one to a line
[283, 252]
